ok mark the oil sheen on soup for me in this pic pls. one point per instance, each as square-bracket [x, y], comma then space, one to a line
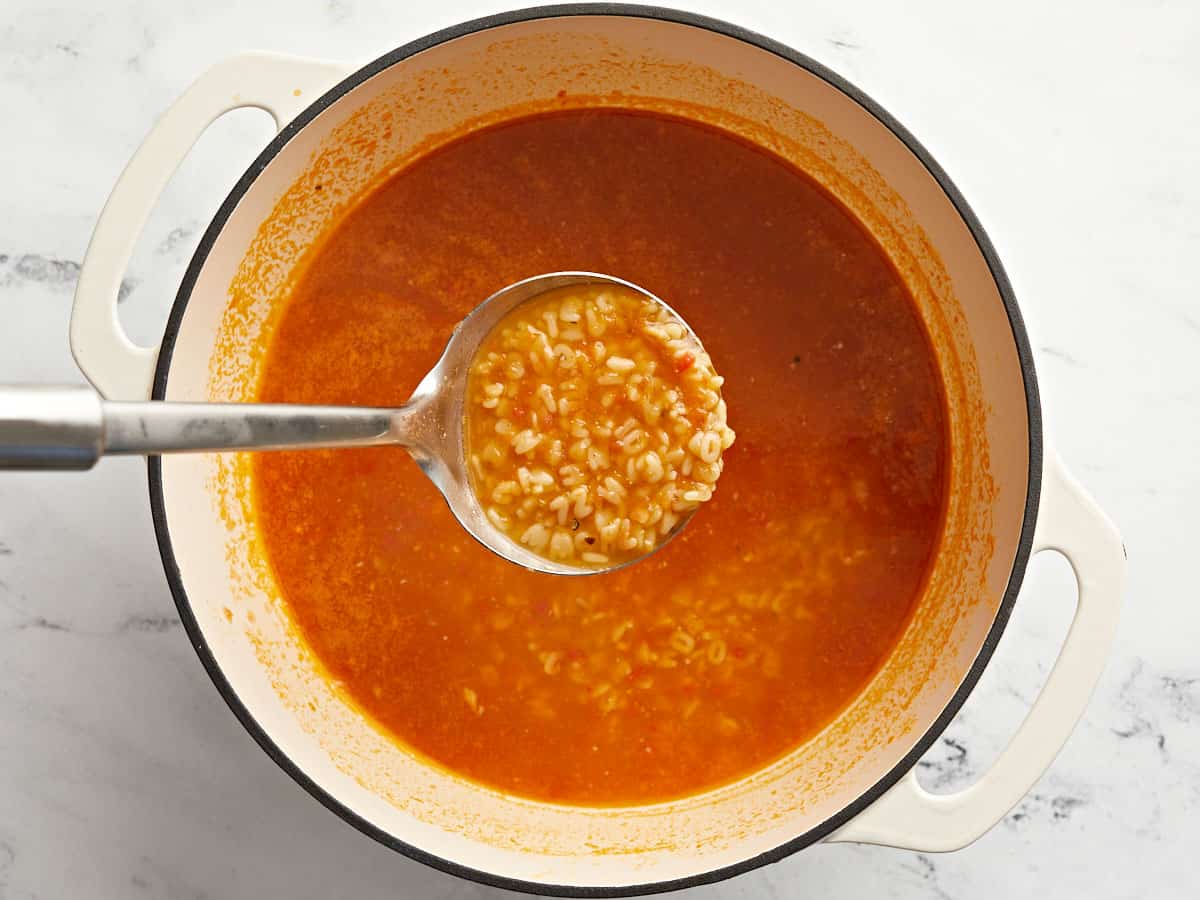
[737, 641]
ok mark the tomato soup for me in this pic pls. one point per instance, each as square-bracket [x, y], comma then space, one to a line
[770, 611]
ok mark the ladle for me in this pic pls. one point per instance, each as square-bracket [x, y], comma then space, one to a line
[68, 428]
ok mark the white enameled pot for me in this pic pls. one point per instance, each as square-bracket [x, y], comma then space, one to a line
[340, 129]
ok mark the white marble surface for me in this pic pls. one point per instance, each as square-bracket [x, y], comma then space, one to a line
[1074, 130]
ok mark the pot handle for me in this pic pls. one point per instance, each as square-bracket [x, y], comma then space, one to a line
[911, 818]
[281, 85]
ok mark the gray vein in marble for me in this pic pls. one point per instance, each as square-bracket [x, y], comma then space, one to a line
[1131, 698]
[148, 624]
[843, 44]
[45, 270]
[153, 879]
[1183, 693]
[68, 48]
[128, 285]
[41, 623]
[136, 623]
[145, 46]
[5, 550]
[953, 767]
[1061, 354]
[1054, 807]
[1016, 693]
[927, 871]
[50, 271]
[174, 238]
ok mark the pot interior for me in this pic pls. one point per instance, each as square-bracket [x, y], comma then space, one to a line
[412, 104]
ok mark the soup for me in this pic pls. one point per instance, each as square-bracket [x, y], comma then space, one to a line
[771, 610]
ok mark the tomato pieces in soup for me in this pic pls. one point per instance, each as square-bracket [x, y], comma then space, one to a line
[742, 637]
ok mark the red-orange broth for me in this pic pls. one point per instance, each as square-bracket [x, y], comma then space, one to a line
[744, 636]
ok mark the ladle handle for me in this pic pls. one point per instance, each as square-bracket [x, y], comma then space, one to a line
[71, 428]
[50, 428]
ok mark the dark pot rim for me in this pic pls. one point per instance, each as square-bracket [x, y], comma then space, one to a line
[1020, 339]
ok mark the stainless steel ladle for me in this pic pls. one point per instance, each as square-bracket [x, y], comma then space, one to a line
[70, 428]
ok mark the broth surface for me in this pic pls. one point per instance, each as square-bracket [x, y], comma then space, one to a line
[741, 638]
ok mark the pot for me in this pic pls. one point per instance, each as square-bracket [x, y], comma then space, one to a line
[339, 130]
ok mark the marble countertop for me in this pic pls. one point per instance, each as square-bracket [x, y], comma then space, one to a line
[1073, 129]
